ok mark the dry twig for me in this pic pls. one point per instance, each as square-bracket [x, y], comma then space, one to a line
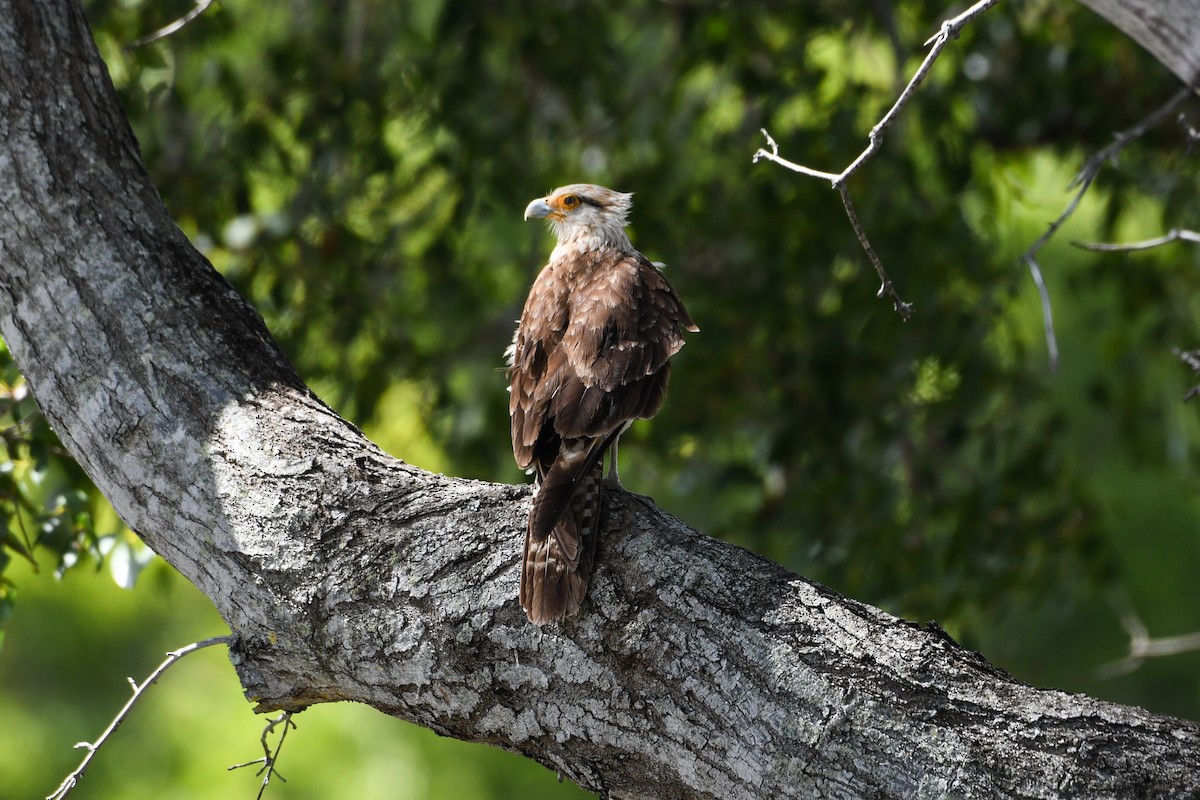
[177, 25]
[1192, 359]
[1173, 235]
[949, 30]
[1142, 646]
[269, 758]
[70, 782]
[1083, 181]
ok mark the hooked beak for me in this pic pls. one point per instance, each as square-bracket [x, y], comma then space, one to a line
[537, 209]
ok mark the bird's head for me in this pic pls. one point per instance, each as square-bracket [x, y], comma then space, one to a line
[585, 215]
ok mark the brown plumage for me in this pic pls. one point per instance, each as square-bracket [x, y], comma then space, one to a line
[589, 356]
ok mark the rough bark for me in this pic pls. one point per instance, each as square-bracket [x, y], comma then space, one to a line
[1168, 29]
[697, 669]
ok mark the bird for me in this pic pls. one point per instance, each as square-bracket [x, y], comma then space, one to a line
[591, 354]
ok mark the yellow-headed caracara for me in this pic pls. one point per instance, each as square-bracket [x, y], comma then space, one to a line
[590, 355]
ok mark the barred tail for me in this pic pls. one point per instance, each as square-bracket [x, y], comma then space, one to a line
[557, 564]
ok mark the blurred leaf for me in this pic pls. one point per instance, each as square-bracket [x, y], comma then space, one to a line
[126, 559]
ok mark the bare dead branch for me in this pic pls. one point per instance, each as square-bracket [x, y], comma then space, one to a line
[1035, 272]
[1083, 181]
[1143, 646]
[885, 287]
[773, 155]
[1192, 359]
[949, 30]
[1189, 357]
[1173, 235]
[72, 780]
[1121, 140]
[1192, 133]
[177, 25]
[269, 757]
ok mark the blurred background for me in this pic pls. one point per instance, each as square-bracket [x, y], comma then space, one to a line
[358, 171]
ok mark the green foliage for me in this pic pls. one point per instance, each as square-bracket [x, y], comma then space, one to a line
[358, 171]
[46, 502]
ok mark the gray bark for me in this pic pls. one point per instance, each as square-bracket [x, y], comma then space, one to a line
[698, 670]
[1168, 29]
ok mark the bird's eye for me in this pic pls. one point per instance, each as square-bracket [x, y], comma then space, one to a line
[570, 201]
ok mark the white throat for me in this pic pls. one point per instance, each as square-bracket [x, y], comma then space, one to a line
[575, 239]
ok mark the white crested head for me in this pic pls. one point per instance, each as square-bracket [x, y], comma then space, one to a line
[585, 215]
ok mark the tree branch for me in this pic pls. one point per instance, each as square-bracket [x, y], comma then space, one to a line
[1173, 235]
[174, 27]
[698, 670]
[1082, 182]
[270, 757]
[71, 781]
[1192, 359]
[949, 30]
[1168, 29]
[1143, 646]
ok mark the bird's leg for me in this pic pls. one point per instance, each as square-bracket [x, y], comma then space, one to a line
[611, 480]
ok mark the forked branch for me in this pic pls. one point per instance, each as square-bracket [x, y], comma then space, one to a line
[1143, 646]
[270, 757]
[949, 30]
[1082, 182]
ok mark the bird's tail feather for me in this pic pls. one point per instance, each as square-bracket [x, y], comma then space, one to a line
[557, 566]
[558, 485]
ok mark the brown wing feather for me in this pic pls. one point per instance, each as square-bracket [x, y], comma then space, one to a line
[590, 355]
[537, 362]
[624, 326]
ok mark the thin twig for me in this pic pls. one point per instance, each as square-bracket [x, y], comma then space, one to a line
[1192, 359]
[1083, 181]
[949, 30]
[162, 33]
[773, 155]
[1142, 646]
[1173, 235]
[1193, 135]
[885, 287]
[72, 780]
[1189, 357]
[269, 758]
[1120, 140]
[1035, 272]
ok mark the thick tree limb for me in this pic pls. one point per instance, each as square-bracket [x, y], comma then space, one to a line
[698, 669]
[1168, 29]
